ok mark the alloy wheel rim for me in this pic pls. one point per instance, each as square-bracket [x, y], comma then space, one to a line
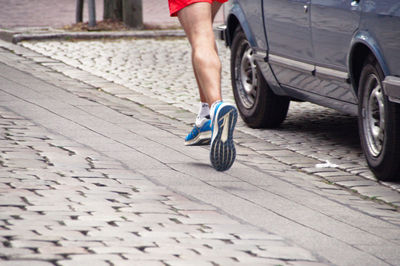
[247, 77]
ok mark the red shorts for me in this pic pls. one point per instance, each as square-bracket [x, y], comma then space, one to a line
[176, 5]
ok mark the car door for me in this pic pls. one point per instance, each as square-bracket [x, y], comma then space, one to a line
[333, 24]
[290, 55]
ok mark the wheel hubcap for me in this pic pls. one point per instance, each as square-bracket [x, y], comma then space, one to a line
[374, 120]
[247, 77]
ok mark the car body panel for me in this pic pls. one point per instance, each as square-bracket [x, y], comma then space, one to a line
[305, 48]
[333, 26]
[287, 23]
[288, 29]
[364, 37]
[381, 19]
[249, 15]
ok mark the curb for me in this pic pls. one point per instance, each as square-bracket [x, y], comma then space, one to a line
[17, 36]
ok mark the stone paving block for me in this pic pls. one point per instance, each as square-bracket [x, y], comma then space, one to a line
[97, 262]
[242, 232]
[101, 216]
[167, 234]
[288, 253]
[150, 256]
[148, 262]
[18, 233]
[306, 263]
[46, 234]
[26, 262]
[137, 242]
[11, 253]
[148, 208]
[175, 178]
[205, 217]
[194, 262]
[116, 250]
[45, 208]
[389, 255]
[137, 160]
[11, 200]
[88, 243]
[356, 183]
[39, 257]
[376, 192]
[28, 223]
[62, 250]
[164, 154]
[190, 206]
[113, 232]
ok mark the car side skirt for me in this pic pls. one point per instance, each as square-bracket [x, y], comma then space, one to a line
[341, 106]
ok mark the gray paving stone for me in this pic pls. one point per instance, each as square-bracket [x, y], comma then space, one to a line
[12, 253]
[290, 253]
[74, 261]
[26, 262]
[149, 262]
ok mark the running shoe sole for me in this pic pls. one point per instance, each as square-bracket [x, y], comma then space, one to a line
[223, 152]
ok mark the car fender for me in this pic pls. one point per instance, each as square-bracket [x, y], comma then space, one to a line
[237, 18]
[365, 38]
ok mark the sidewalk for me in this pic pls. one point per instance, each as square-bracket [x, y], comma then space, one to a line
[80, 182]
[89, 176]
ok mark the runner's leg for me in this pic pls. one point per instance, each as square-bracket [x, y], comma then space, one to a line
[196, 19]
[214, 10]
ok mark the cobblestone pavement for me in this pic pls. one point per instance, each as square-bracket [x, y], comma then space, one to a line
[66, 200]
[64, 203]
[96, 171]
[161, 70]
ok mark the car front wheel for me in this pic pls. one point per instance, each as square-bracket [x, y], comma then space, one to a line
[258, 105]
[379, 124]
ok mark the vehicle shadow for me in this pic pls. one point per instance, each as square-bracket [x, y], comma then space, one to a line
[319, 124]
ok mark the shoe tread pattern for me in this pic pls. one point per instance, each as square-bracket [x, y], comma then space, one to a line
[223, 154]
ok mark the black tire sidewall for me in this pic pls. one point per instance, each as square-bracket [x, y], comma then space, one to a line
[238, 48]
[385, 164]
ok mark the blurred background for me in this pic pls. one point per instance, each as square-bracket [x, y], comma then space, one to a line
[59, 13]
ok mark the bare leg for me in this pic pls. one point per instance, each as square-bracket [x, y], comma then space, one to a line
[196, 20]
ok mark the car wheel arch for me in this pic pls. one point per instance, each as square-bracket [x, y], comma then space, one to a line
[362, 47]
[237, 19]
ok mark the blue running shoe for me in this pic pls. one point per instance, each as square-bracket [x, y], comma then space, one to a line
[223, 152]
[199, 136]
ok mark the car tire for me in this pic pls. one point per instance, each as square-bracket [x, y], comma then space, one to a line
[258, 105]
[379, 124]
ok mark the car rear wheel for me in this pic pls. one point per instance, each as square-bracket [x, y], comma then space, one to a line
[379, 124]
[258, 105]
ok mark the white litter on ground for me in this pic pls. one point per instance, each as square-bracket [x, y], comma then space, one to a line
[327, 164]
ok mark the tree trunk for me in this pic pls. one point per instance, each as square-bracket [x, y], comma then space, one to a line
[79, 11]
[133, 13]
[113, 10]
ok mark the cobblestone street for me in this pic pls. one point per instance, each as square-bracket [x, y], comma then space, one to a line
[94, 169]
